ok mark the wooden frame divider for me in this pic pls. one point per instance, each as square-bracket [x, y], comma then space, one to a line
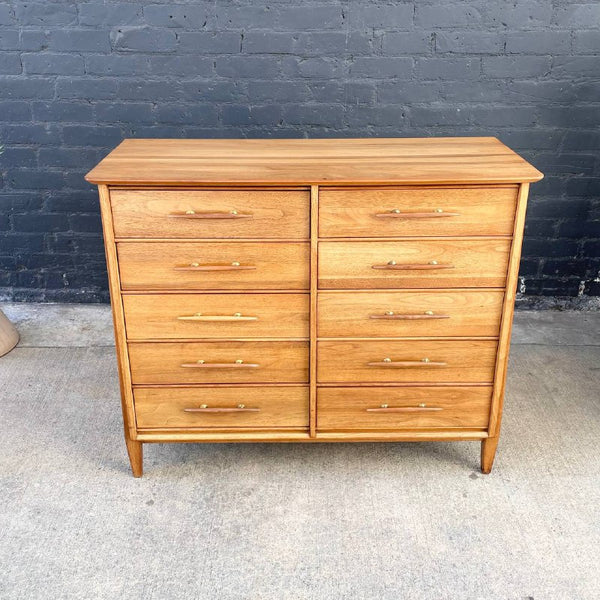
[314, 276]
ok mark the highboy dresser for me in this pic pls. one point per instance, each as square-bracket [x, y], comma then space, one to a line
[312, 290]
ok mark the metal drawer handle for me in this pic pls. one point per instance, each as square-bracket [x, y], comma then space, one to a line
[392, 265]
[204, 408]
[433, 214]
[217, 318]
[388, 362]
[238, 364]
[233, 266]
[192, 214]
[390, 315]
[421, 407]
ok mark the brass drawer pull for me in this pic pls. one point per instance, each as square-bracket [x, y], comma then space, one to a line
[238, 364]
[233, 266]
[424, 362]
[217, 318]
[421, 407]
[204, 408]
[434, 214]
[392, 265]
[192, 214]
[390, 315]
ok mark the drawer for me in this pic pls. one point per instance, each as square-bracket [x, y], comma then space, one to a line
[213, 265]
[186, 316]
[210, 213]
[224, 407]
[386, 212]
[414, 264]
[219, 362]
[464, 313]
[402, 407]
[431, 361]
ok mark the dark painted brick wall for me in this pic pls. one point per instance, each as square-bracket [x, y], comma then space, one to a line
[77, 77]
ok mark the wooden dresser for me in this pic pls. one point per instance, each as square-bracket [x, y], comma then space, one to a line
[312, 290]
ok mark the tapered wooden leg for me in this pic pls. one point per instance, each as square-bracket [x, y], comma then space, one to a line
[488, 452]
[136, 456]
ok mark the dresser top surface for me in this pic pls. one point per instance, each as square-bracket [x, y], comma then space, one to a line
[364, 161]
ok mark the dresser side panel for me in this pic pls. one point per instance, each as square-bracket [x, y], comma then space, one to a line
[117, 312]
[507, 313]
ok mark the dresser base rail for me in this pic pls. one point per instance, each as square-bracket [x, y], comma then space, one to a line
[135, 452]
[213, 437]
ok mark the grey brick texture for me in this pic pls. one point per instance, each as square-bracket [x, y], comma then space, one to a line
[78, 77]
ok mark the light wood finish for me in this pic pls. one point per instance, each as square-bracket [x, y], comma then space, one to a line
[343, 361]
[161, 363]
[157, 265]
[314, 275]
[312, 290]
[318, 161]
[414, 435]
[439, 263]
[273, 436]
[507, 319]
[9, 337]
[403, 408]
[397, 212]
[488, 453]
[270, 407]
[186, 316]
[135, 451]
[211, 213]
[449, 313]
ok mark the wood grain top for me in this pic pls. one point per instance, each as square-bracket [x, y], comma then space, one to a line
[363, 161]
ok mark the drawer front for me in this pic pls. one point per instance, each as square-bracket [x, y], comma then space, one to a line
[224, 407]
[210, 214]
[262, 362]
[213, 265]
[414, 264]
[402, 407]
[417, 211]
[432, 361]
[409, 314]
[187, 316]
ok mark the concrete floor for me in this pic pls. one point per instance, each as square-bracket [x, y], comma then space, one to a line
[262, 522]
